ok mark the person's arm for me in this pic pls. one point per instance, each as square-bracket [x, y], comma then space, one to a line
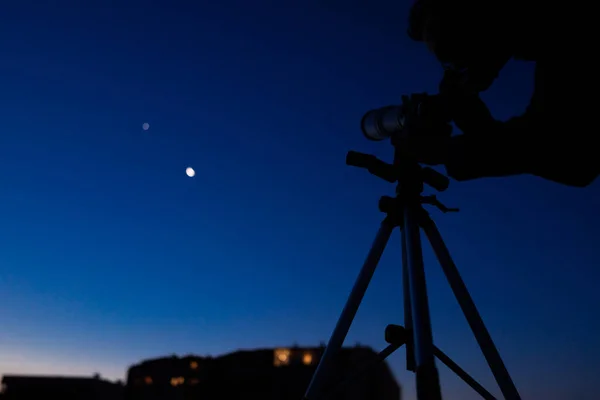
[534, 143]
[505, 149]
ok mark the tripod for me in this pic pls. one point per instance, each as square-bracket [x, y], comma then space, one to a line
[406, 212]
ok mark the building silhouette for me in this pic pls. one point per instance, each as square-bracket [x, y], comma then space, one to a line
[16, 387]
[281, 373]
[278, 374]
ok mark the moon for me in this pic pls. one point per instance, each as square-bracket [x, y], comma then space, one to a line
[145, 126]
[189, 171]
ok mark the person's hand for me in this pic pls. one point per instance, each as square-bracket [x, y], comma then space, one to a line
[465, 107]
[471, 115]
[429, 129]
[429, 150]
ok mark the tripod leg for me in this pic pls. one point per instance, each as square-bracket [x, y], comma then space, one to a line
[454, 367]
[469, 309]
[349, 312]
[428, 381]
[408, 323]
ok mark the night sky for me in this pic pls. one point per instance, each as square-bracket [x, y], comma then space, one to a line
[110, 254]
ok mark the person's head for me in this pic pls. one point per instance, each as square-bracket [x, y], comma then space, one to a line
[465, 34]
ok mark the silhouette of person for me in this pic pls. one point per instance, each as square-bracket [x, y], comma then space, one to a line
[474, 39]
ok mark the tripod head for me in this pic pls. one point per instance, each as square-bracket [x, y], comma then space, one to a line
[398, 123]
[394, 173]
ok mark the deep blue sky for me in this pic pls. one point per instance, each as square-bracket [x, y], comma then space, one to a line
[110, 254]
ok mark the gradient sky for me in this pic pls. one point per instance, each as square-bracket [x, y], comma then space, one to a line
[110, 254]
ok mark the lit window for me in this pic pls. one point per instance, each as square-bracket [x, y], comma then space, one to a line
[194, 381]
[282, 357]
[307, 358]
[148, 380]
[177, 381]
[193, 365]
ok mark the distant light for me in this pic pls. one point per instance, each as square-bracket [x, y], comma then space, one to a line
[190, 172]
[282, 357]
[145, 126]
[177, 381]
[307, 359]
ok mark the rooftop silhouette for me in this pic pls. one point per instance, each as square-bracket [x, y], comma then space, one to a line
[277, 373]
[271, 373]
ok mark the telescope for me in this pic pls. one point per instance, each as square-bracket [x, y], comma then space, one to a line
[390, 121]
[406, 212]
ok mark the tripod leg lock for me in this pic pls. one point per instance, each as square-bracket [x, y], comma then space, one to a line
[396, 335]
